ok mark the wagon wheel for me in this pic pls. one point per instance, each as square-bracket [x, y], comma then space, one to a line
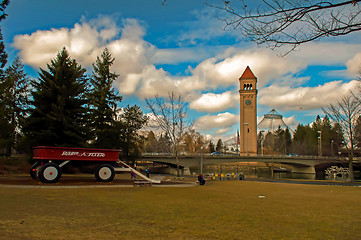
[34, 169]
[105, 173]
[49, 173]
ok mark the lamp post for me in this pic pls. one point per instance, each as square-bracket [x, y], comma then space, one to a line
[246, 125]
[202, 160]
[320, 144]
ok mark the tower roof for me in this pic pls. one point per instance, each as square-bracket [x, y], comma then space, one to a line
[247, 74]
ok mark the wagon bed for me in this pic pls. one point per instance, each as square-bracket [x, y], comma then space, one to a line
[77, 154]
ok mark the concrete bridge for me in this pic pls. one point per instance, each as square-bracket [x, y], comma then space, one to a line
[297, 164]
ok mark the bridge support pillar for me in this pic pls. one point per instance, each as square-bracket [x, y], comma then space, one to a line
[307, 170]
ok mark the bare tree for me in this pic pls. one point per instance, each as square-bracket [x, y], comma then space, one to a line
[285, 22]
[346, 113]
[170, 115]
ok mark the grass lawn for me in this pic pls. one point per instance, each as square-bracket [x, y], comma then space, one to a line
[218, 210]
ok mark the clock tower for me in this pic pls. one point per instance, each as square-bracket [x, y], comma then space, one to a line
[248, 113]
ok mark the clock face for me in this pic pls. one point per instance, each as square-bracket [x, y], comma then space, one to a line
[248, 102]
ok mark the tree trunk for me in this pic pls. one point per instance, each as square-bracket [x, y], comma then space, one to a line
[177, 161]
[351, 169]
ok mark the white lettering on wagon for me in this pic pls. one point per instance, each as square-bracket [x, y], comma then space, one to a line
[96, 155]
[83, 154]
[66, 153]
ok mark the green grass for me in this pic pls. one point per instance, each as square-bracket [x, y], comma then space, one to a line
[219, 210]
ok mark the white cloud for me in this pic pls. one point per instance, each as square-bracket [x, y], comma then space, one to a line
[152, 81]
[226, 69]
[354, 64]
[38, 48]
[133, 56]
[222, 131]
[325, 53]
[84, 42]
[222, 120]
[221, 71]
[183, 55]
[306, 98]
[211, 102]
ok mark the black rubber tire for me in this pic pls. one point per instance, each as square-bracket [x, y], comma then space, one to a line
[34, 169]
[49, 173]
[105, 173]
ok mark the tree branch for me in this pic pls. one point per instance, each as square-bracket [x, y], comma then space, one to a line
[280, 22]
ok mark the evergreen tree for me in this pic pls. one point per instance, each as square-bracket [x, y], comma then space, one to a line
[219, 147]
[282, 141]
[337, 138]
[305, 138]
[304, 141]
[59, 115]
[287, 138]
[104, 102]
[5, 129]
[326, 136]
[211, 146]
[269, 143]
[16, 99]
[132, 119]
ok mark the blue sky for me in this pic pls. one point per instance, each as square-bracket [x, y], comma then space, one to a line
[182, 47]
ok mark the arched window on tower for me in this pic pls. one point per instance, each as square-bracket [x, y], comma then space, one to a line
[250, 86]
[244, 87]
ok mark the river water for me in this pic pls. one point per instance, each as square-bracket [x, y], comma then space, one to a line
[266, 173]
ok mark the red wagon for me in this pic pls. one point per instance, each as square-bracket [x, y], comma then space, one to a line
[50, 160]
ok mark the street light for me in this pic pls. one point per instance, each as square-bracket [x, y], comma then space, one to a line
[246, 125]
[320, 144]
[202, 160]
